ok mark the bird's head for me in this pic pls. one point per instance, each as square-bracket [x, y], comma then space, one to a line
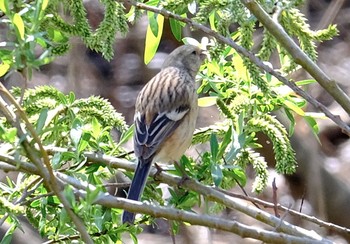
[187, 57]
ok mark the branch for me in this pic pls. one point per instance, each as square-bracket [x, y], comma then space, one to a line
[209, 192]
[105, 199]
[335, 118]
[312, 219]
[45, 172]
[299, 56]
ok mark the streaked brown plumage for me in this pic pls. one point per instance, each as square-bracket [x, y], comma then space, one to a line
[165, 115]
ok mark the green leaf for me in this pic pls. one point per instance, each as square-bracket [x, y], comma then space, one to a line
[153, 23]
[294, 107]
[305, 82]
[41, 120]
[44, 4]
[18, 22]
[7, 238]
[216, 174]
[10, 135]
[176, 29]
[91, 195]
[238, 141]
[56, 161]
[214, 147]
[3, 69]
[126, 135]
[96, 128]
[152, 41]
[76, 132]
[4, 6]
[313, 125]
[225, 142]
[292, 121]
[207, 101]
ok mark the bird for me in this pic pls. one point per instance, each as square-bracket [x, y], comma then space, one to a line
[166, 111]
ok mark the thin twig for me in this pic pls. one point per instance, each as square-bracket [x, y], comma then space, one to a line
[274, 197]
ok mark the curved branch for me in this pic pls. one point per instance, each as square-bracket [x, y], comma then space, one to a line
[242, 230]
[299, 56]
[207, 191]
[335, 118]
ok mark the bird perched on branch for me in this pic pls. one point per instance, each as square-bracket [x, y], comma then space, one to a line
[165, 116]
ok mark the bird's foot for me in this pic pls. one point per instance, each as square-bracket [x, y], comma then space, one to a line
[159, 170]
[184, 176]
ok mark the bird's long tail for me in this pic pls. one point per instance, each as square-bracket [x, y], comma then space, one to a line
[137, 186]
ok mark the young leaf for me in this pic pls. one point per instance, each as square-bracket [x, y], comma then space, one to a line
[214, 147]
[152, 41]
[3, 69]
[41, 120]
[294, 107]
[4, 6]
[216, 174]
[18, 22]
[225, 142]
[176, 29]
[126, 135]
[207, 101]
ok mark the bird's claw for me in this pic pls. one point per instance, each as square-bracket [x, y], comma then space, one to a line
[159, 170]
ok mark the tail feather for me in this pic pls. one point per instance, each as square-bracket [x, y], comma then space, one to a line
[137, 186]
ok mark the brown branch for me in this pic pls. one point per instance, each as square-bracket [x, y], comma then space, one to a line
[274, 197]
[298, 55]
[240, 229]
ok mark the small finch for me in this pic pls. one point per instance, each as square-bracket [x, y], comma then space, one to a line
[165, 116]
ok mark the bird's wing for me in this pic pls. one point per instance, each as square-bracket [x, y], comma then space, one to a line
[155, 123]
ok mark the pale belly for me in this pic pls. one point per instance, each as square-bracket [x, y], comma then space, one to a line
[176, 145]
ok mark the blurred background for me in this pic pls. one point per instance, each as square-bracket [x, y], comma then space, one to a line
[322, 183]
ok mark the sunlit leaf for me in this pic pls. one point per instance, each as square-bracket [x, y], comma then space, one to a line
[305, 82]
[294, 107]
[152, 41]
[18, 22]
[241, 70]
[3, 69]
[207, 101]
[4, 6]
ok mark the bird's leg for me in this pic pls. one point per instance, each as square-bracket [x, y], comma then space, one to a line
[159, 170]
